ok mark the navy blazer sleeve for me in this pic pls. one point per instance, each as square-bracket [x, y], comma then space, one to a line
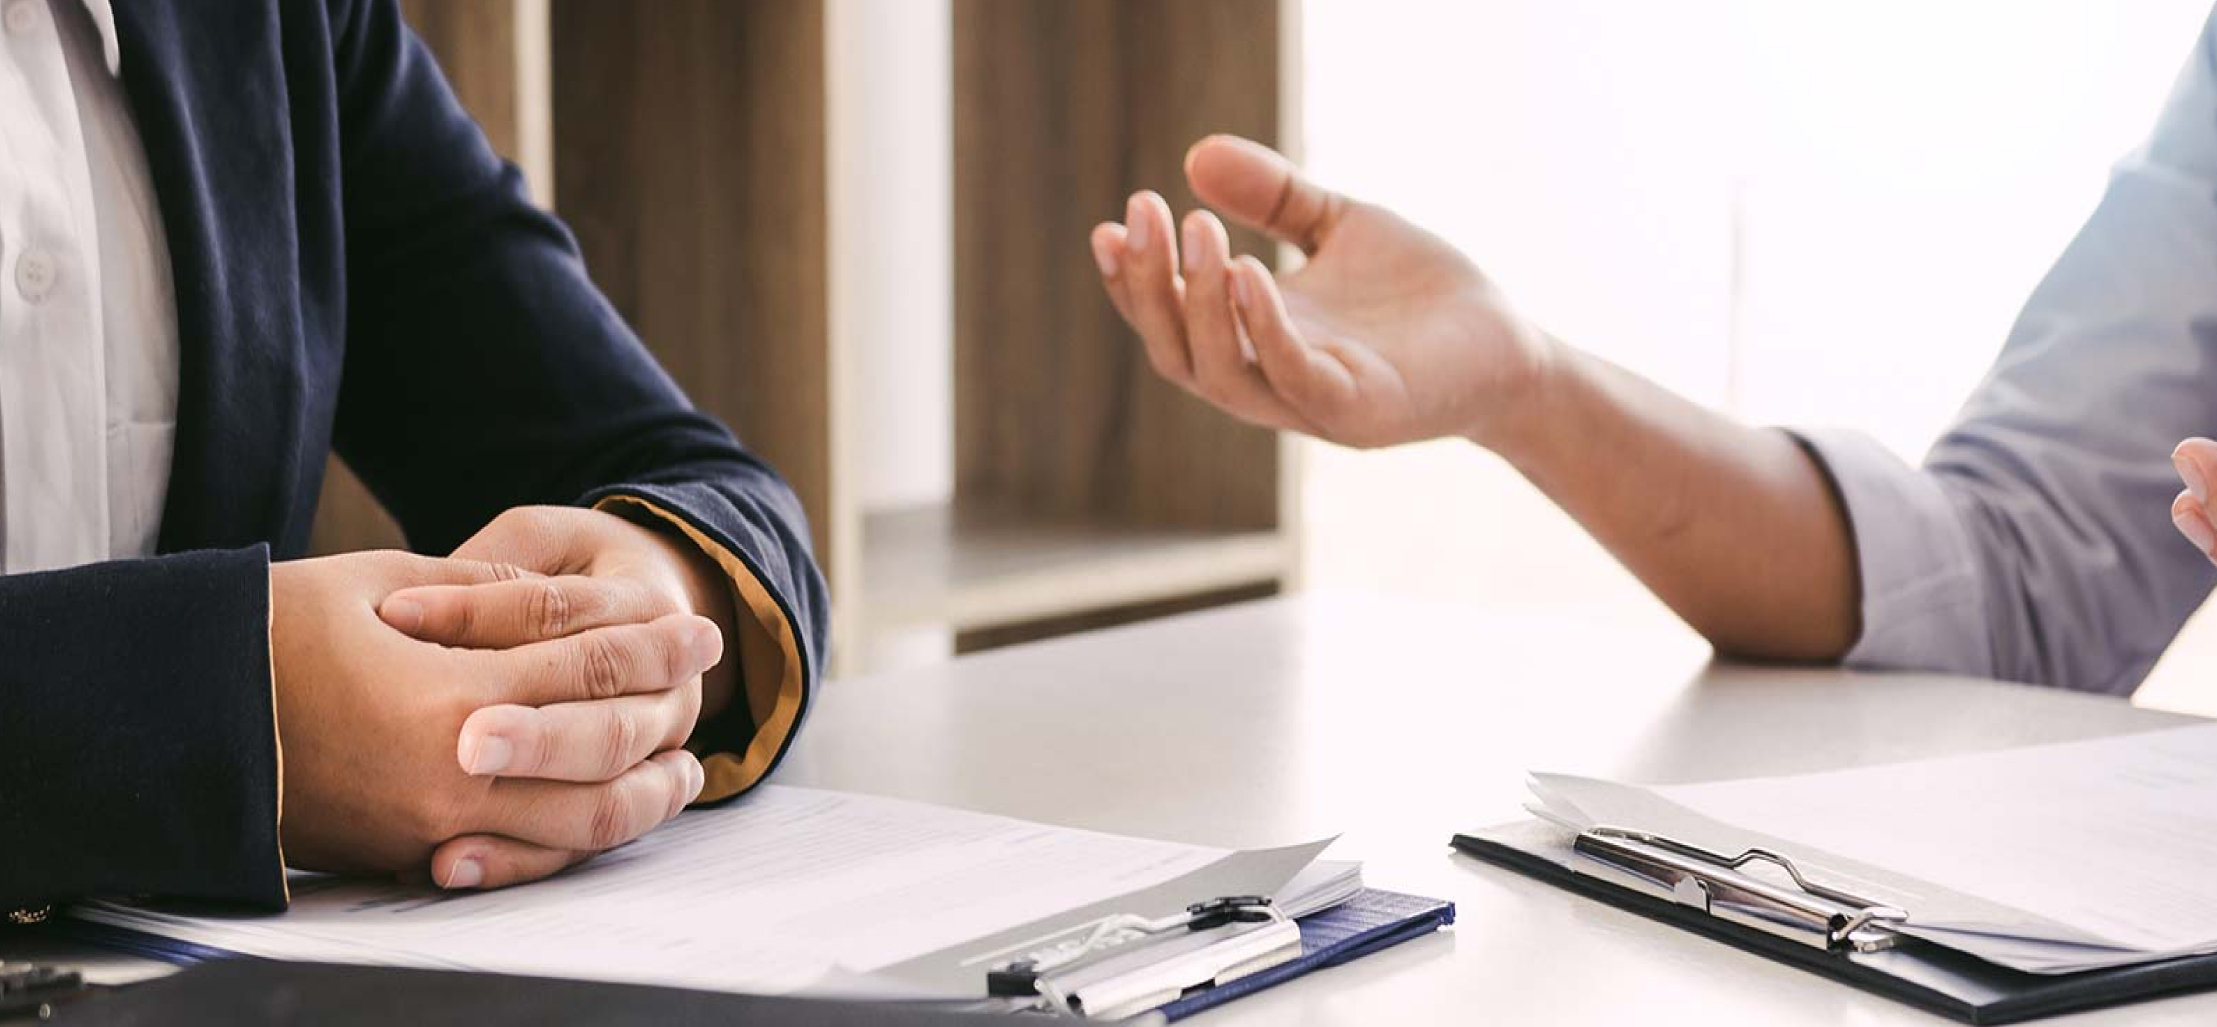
[138, 750]
[484, 371]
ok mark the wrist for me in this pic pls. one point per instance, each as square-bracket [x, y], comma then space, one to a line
[1523, 412]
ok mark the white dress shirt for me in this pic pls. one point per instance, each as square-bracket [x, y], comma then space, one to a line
[88, 325]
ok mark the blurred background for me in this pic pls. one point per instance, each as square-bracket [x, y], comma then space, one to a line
[856, 230]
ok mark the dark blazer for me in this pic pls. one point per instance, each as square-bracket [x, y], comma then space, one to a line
[355, 270]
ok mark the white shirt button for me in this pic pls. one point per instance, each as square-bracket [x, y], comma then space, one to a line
[22, 16]
[34, 274]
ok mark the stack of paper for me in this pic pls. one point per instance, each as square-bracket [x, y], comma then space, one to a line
[1320, 886]
[2049, 859]
[789, 890]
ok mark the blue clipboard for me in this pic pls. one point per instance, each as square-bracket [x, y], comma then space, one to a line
[1371, 921]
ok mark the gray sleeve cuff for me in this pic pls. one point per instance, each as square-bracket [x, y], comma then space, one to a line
[1923, 608]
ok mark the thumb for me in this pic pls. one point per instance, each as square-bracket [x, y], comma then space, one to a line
[1258, 187]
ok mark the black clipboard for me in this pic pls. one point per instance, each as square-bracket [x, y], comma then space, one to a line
[253, 992]
[1915, 972]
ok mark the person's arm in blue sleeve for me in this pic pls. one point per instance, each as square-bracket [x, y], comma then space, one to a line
[2036, 544]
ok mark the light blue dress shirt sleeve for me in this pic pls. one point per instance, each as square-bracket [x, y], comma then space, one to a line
[2036, 542]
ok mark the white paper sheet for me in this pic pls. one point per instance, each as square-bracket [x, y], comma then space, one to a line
[2116, 837]
[783, 889]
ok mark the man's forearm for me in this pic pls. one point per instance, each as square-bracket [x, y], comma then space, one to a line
[1735, 528]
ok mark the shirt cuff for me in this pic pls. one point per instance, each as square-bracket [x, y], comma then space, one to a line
[772, 676]
[1922, 607]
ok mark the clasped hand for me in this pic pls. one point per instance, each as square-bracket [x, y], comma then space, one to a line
[498, 715]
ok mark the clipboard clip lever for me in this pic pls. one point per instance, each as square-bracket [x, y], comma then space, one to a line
[1020, 977]
[1051, 972]
[1232, 909]
[1809, 912]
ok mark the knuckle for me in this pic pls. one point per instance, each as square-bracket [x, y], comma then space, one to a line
[600, 667]
[609, 824]
[548, 610]
[1330, 211]
[620, 737]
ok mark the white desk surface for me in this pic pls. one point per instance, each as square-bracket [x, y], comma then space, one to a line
[1396, 724]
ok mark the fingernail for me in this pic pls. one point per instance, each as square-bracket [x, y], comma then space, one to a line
[1135, 227]
[405, 615]
[2192, 476]
[486, 755]
[467, 873]
[706, 644]
[1104, 254]
[1192, 242]
[1240, 286]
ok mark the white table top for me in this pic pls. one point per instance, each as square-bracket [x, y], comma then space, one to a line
[1397, 724]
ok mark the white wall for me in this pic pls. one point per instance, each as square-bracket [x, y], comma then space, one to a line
[892, 224]
[1817, 211]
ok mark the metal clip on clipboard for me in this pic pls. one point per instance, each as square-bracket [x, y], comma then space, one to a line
[1809, 913]
[1127, 965]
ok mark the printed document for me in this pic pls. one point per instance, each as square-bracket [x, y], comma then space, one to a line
[776, 893]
